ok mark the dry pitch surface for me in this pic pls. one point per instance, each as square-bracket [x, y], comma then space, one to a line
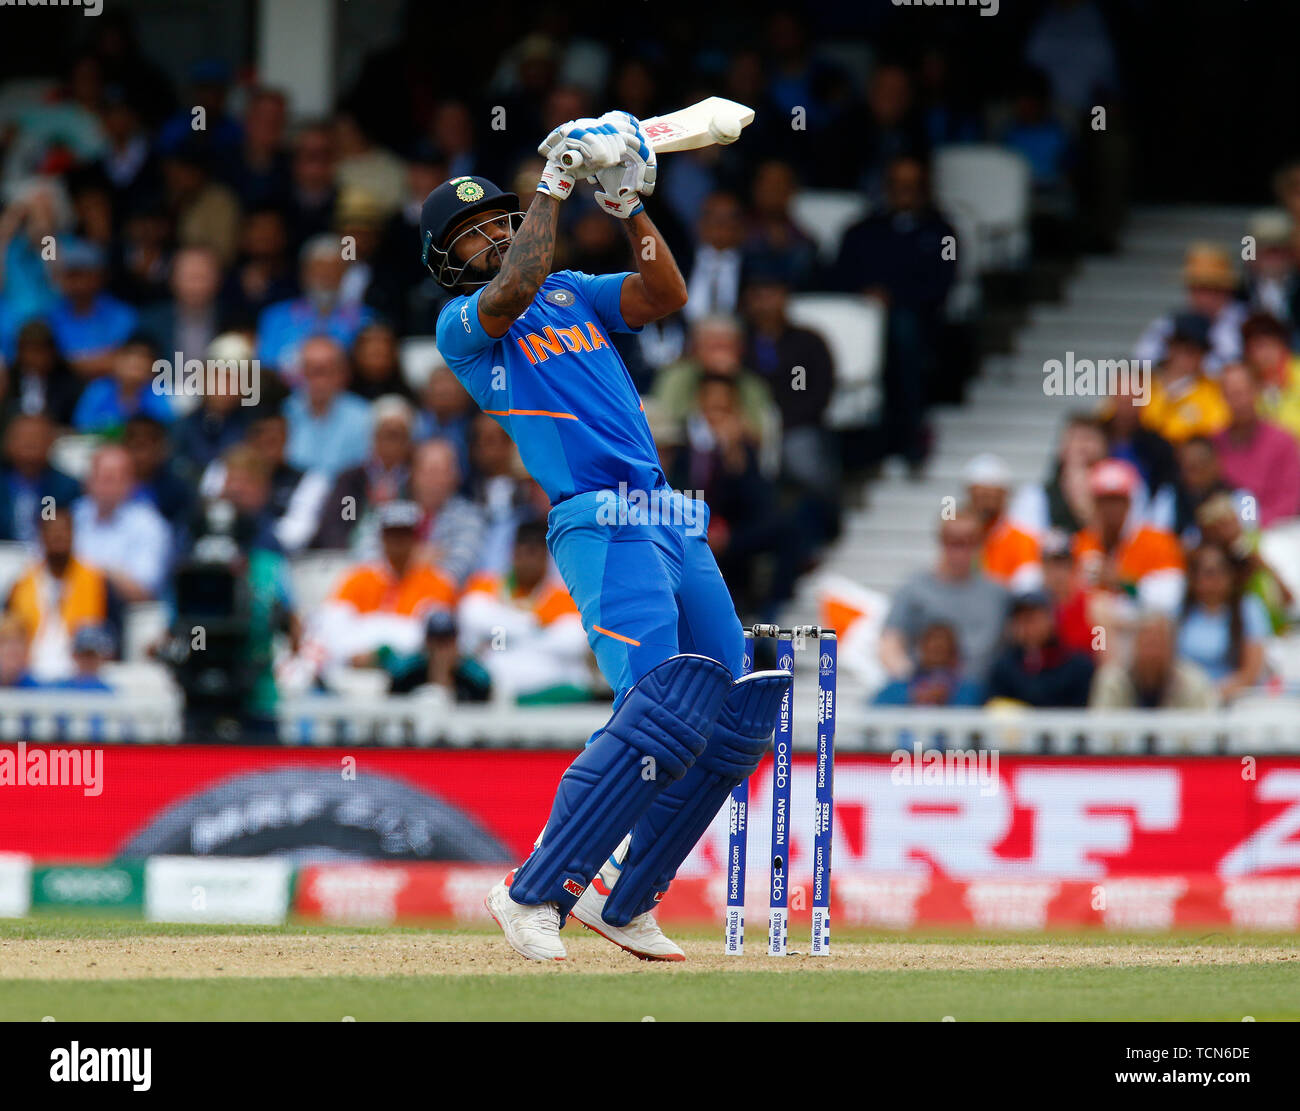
[70, 969]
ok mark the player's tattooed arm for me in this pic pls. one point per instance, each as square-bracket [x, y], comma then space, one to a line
[657, 288]
[525, 267]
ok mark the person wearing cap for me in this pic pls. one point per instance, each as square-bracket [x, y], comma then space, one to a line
[378, 612]
[523, 627]
[1257, 454]
[1036, 669]
[1267, 351]
[284, 328]
[1117, 554]
[367, 168]
[1007, 553]
[1211, 284]
[1185, 401]
[206, 210]
[1271, 285]
[89, 325]
[1070, 600]
[358, 220]
[92, 647]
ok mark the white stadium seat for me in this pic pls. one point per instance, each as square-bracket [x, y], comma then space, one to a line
[826, 214]
[989, 186]
[420, 358]
[854, 330]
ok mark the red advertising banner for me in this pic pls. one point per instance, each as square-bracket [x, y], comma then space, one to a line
[1022, 818]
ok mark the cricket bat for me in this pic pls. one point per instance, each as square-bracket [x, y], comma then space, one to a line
[712, 120]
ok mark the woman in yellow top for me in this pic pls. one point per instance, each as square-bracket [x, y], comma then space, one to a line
[1184, 401]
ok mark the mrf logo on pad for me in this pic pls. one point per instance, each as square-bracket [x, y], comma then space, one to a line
[574, 888]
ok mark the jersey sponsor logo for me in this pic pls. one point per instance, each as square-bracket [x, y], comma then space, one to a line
[540, 346]
[464, 317]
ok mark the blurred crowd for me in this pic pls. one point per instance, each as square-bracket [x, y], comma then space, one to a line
[147, 221]
[1135, 575]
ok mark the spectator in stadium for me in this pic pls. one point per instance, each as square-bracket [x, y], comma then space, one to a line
[938, 679]
[451, 528]
[37, 208]
[88, 324]
[377, 364]
[1199, 480]
[329, 428]
[1219, 522]
[795, 364]
[1222, 629]
[1185, 401]
[713, 276]
[898, 256]
[358, 223]
[1120, 555]
[284, 328]
[523, 628]
[156, 477]
[953, 592]
[220, 420]
[1037, 135]
[1065, 502]
[120, 535]
[718, 459]
[29, 483]
[14, 671]
[260, 173]
[209, 80]
[1036, 669]
[366, 166]
[379, 614]
[106, 404]
[1211, 285]
[446, 411]
[205, 211]
[499, 487]
[1266, 346]
[773, 232]
[404, 286]
[1155, 678]
[1257, 454]
[1127, 439]
[893, 130]
[1007, 553]
[1071, 604]
[313, 191]
[92, 647]
[141, 269]
[40, 380]
[1271, 279]
[717, 350]
[261, 275]
[56, 596]
[382, 477]
[192, 318]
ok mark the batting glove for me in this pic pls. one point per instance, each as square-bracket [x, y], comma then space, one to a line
[640, 155]
[596, 145]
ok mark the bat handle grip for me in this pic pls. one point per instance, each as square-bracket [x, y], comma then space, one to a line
[569, 159]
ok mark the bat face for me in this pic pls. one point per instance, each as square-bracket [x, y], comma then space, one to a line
[690, 128]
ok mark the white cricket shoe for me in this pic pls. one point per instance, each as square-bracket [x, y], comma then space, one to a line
[641, 937]
[532, 931]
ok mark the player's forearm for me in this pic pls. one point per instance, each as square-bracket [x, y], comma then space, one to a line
[665, 288]
[526, 264]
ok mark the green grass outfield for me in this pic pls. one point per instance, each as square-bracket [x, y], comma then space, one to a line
[1210, 977]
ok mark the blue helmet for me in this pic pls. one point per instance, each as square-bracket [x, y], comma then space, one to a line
[448, 206]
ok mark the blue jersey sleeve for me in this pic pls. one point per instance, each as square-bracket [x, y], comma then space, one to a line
[603, 292]
[460, 333]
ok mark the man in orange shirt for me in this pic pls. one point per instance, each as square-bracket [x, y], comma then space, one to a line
[389, 612]
[1120, 556]
[1007, 554]
[523, 628]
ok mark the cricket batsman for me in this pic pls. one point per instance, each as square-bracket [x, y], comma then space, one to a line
[533, 349]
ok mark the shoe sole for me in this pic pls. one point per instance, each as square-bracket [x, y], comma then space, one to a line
[627, 949]
[501, 925]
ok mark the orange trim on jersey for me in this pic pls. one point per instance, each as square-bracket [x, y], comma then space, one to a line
[618, 636]
[528, 413]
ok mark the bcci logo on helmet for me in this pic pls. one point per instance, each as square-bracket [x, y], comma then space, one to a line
[469, 191]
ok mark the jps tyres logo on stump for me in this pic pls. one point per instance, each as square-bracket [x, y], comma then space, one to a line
[469, 191]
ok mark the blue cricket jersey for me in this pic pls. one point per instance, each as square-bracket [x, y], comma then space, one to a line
[557, 386]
